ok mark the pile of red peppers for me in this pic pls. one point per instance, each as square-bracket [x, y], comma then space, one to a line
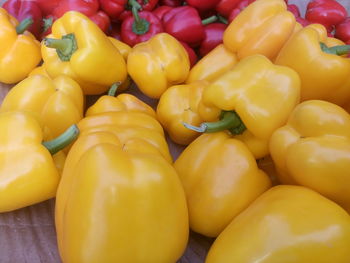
[197, 24]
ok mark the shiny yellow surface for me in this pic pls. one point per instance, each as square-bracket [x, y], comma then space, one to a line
[313, 150]
[157, 64]
[27, 172]
[57, 103]
[95, 65]
[261, 93]
[123, 102]
[214, 64]
[123, 48]
[261, 28]
[40, 70]
[179, 104]
[19, 54]
[130, 197]
[221, 178]
[323, 76]
[286, 224]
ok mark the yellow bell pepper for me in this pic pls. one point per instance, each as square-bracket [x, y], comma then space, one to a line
[56, 103]
[313, 150]
[40, 70]
[179, 104]
[123, 102]
[157, 64]
[253, 99]
[214, 64]
[19, 52]
[119, 181]
[324, 74]
[27, 170]
[221, 178]
[261, 28]
[79, 49]
[286, 224]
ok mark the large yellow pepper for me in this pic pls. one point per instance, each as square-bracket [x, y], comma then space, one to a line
[221, 178]
[56, 103]
[324, 74]
[286, 224]
[262, 28]
[253, 100]
[118, 181]
[313, 150]
[214, 64]
[157, 64]
[28, 174]
[19, 52]
[179, 104]
[79, 49]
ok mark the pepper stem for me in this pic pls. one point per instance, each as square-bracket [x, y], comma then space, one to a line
[132, 3]
[65, 47]
[57, 144]
[140, 26]
[47, 23]
[229, 121]
[23, 26]
[336, 50]
[113, 89]
[209, 20]
[222, 19]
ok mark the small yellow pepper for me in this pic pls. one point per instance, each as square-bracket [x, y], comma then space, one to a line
[57, 103]
[214, 64]
[157, 64]
[28, 174]
[19, 52]
[313, 150]
[79, 49]
[261, 28]
[221, 178]
[253, 99]
[286, 224]
[323, 73]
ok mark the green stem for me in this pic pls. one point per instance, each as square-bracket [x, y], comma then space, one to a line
[47, 23]
[65, 47]
[223, 19]
[134, 3]
[229, 121]
[336, 50]
[209, 20]
[139, 26]
[113, 90]
[63, 140]
[23, 26]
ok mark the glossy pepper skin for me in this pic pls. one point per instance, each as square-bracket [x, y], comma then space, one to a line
[26, 9]
[142, 5]
[28, 174]
[95, 64]
[224, 7]
[263, 99]
[261, 28]
[113, 8]
[285, 224]
[342, 30]
[161, 11]
[323, 76]
[57, 103]
[19, 52]
[172, 3]
[185, 24]
[101, 19]
[313, 150]
[179, 104]
[203, 5]
[221, 178]
[326, 12]
[213, 37]
[191, 54]
[157, 64]
[214, 64]
[47, 7]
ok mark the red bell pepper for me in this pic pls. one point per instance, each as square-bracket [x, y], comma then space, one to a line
[161, 11]
[302, 21]
[342, 30]
[142, 5]
[213, 37]
[203, 5]
[26, 9]
[185, 24]
[172, 3]
[191, 54]
[113, 8]
[139, 27]
[46, 6]
[102, 20]
[224, 7]
[239, 8]
[326, 12]
[294, 9]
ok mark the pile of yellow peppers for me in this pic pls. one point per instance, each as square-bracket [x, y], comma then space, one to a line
[263, 118]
